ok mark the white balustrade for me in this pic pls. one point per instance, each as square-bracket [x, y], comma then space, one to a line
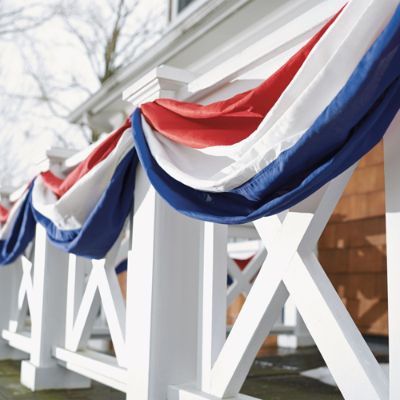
[16, 292]
[289, 328]
[291, 268]
[85, 297]
[13, 310]
[47, 310]
[169, 336]
[18, 287]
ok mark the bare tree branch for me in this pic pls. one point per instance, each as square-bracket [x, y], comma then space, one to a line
[23, 18]
[102, 37]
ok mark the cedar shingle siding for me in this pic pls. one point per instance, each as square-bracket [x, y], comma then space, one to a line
[352, 248]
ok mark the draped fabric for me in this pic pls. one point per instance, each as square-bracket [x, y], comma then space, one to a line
[18, 230]
[3, 214]
[229, 121]
[83, 213]
[328, 117]
[253, 155]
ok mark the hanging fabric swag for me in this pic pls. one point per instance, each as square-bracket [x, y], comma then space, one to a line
[255, 154]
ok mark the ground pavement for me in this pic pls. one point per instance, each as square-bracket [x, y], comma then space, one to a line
[276, 376]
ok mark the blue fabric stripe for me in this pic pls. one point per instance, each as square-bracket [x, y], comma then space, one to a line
[122, 267]
[106, 220]
[98, 233]
[348, 128]
[21, 234]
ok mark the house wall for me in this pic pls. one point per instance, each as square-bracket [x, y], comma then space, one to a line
[352, 248]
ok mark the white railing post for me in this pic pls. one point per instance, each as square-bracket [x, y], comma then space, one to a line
[292, 268]
[392, 201]
[213, 300]
[10, 276]
[48, 311]
[163, 273]
[48, 308]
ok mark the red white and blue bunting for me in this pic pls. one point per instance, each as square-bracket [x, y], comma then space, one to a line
[253, 155]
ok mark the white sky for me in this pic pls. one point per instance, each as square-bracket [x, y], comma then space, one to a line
[27, 129]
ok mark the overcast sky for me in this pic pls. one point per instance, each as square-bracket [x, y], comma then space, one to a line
[28, 128]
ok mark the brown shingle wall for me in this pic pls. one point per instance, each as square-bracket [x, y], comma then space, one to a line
[352, 248]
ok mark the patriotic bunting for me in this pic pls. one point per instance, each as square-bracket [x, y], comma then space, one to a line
[253, 155]
[84, 213]
[330, 115]
[3, 214]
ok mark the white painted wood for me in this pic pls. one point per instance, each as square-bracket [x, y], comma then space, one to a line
[392, 201]
[48, 312]
[113, 306]
[75, 290]
[242, 280]
[245, 231]
[10, 276]
[162, 298]
[260, 310]
[213, 301]
[163, 274]
[290, 329]
[239, 284]
[298, 335]
[190, 392]
[289, 31]
[20, 341]
[84, 302]
[162, 81]
[82, 326]
[298, 230]
[94, 365]
[356, 371]
[290, 240]
[23, 301]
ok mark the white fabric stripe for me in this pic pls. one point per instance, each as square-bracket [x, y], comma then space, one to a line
[6, 228]
[315, 85]
[72, 209]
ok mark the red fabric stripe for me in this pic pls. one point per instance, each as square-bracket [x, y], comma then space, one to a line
[3, 214]
[229, 121]
[51, 181]
[60, 186]
[242, 264]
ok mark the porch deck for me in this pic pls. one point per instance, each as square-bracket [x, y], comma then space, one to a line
[275, 376]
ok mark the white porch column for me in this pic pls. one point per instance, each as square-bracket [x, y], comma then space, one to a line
[163, 274]
[162, 296]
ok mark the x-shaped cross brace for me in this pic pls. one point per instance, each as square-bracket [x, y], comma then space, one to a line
[242, 279]
[83, 303]
[291, 267]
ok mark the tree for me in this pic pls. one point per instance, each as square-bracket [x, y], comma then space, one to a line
[62, 51]
[20, 18]
[15, 19]
[105, 38]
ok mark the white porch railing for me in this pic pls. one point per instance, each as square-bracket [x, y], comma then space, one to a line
[16, 291]
[170, 335]
[289, 328]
